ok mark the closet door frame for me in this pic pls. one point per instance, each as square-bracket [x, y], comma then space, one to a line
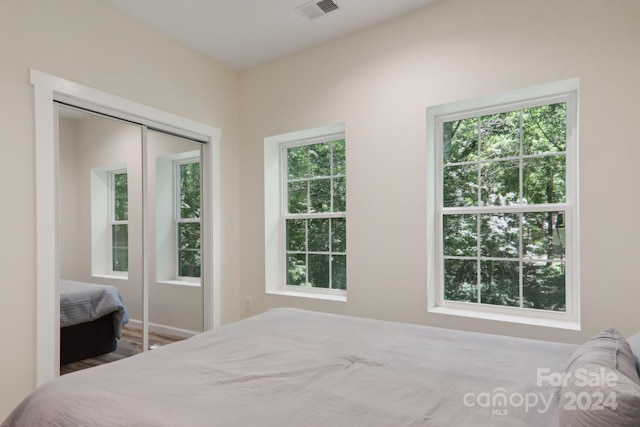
[49, 89]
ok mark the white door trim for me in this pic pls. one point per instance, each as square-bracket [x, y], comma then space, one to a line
[49, 88]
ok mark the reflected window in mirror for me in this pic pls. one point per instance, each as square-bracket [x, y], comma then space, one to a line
[119, 221]
[188, 251]
[110, 221]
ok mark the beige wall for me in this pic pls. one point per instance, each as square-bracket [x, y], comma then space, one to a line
[69, 201]
[379, 83]
[93, 44]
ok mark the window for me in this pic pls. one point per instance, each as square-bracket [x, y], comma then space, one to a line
[188, 218]
[178, 218]
[306, 214]
[110, 221]
[315, 215]
[506, 203]
[119, 221]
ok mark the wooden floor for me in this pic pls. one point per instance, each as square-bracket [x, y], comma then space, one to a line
[130, 344]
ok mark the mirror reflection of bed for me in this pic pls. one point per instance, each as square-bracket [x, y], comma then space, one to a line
[101, 216]
[92, 317]
[93, 327]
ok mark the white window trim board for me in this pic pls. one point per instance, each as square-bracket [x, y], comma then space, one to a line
[273, 210]
[519, 98]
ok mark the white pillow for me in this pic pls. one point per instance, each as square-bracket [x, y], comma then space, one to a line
[602, 385]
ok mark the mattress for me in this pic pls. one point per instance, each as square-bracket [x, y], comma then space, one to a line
[302, 368]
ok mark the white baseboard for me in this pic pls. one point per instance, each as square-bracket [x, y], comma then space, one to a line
[162, 329]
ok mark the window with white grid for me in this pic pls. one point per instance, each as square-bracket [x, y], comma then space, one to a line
[188, 251]
[119, 215]
[503, 227]
[314, 215]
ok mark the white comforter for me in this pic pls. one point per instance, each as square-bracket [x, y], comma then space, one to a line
[289, 367]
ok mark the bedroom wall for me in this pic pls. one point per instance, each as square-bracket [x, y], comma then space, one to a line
[94, 44]
[380, 81]
[69, 201]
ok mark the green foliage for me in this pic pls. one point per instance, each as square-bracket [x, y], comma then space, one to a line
[499, 283]
[316, 178]
[512, 158]
[190, 190]
[460, 141]
[119, 249]
[189, 235]
[315, 244]
[297, 270]
[121, 198]
[460, 280]
[120, 232]
[460, 185]
[339, 272]
[189, 249]
[543, 285]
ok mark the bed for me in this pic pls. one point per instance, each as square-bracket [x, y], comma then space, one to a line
[301, 368]
[91, 320]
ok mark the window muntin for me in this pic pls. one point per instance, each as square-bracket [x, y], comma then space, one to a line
[188, 225]
[119, 216]
[505, 205]
[314, 220]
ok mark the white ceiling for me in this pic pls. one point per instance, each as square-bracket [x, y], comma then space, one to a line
[245, 33]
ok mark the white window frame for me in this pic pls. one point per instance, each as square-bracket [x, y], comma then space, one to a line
[113, 221]
[102, 215]
[563, 91]
[275, 168]
[167, 212]
[284, 147]
[179, 220]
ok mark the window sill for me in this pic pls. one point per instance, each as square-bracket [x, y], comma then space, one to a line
[112, 276]
[309, 294]
[513, 318]
[180, 283]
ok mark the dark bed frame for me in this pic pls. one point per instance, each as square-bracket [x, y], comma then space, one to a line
[87, 340]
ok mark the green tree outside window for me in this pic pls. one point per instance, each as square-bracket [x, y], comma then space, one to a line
[504, 256]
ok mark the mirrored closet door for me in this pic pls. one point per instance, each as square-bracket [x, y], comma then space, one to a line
[174, 234]
[129, 228]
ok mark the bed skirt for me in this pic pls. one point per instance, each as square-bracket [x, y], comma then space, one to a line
[86, 340]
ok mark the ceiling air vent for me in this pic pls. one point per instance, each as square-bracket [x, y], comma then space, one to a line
[316, 9]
